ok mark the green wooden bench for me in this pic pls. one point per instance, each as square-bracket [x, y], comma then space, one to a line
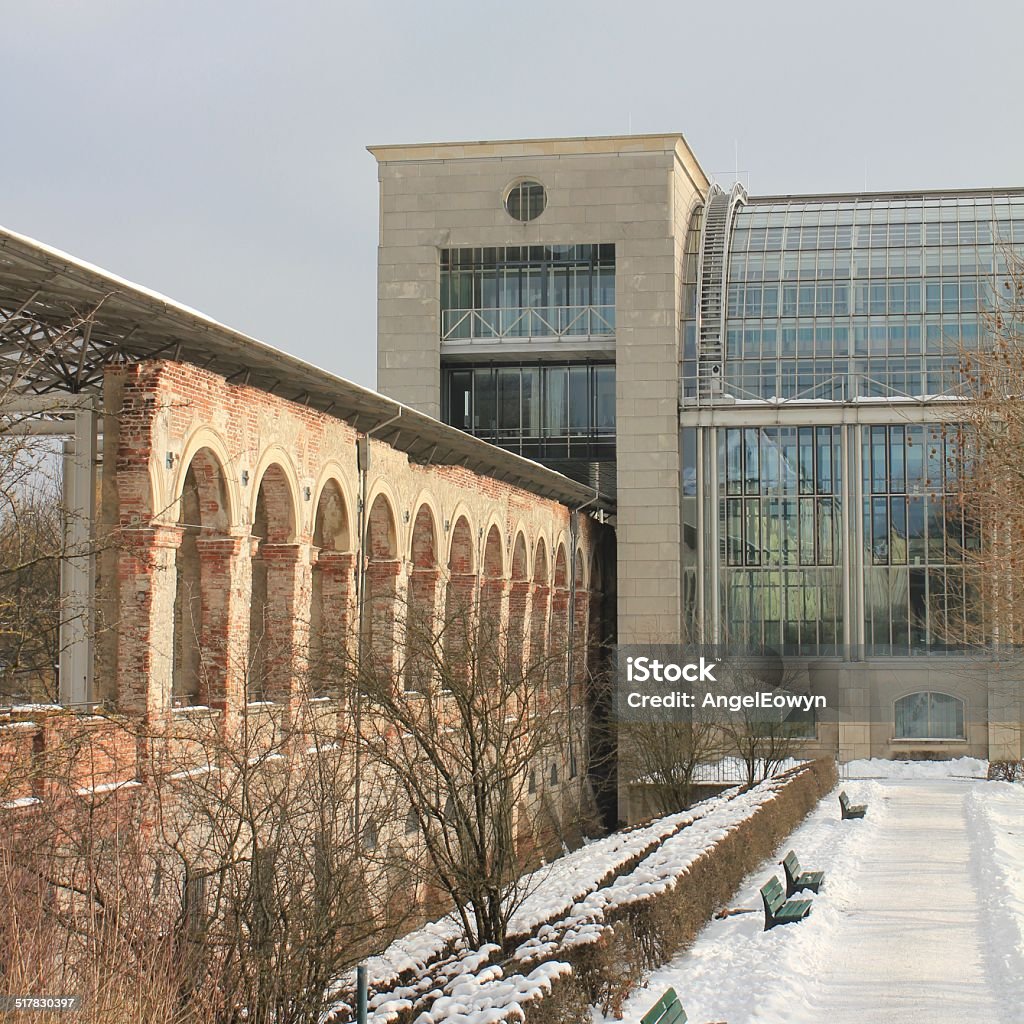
[797, 879]
[667, 1010]
[851, 810]
[779, 910]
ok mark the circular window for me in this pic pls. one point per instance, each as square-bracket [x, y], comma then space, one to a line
[526, 200]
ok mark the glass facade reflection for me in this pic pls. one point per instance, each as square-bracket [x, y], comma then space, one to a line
[914, 541]
[834, 530]
[862, 296]
[781, 526]
[543, 411]
[535, 291]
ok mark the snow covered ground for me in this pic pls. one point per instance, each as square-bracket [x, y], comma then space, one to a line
[921, 920]
[880, 768]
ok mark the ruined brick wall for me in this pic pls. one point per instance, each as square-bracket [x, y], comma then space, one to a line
[236, 528]
[251, 504]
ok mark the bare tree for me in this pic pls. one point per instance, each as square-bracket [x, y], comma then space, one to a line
[764, 738]
[229, 880]
[985, 476]
[472, 738]
[281, 889]
[667, 755]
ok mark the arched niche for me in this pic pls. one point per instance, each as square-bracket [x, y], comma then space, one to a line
[202, 512]
[421, 602]
[273, 523]
[331, 592]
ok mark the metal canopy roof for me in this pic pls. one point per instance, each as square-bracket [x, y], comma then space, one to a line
[62, 320]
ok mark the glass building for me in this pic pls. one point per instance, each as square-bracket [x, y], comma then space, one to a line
[822, 354]
[526, 332]
[768, 386]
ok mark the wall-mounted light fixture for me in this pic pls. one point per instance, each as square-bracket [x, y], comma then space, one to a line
[308, 492]
[245, 478]
[169, 461]
[447, 525]
[405, 516]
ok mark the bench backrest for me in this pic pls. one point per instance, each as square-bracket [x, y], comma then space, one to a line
[844, 799]
[773, 894]
[792, 864]
[667, 1010]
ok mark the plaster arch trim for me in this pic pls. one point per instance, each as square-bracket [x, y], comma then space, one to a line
[205, 438]
[426, 499]
[542, 545]
[583, 568]
[332, 470]
[494, 523]
[461, 511]
[519, 530]
[381, 488]
[561, 548]
[159, 507]
[276, 455]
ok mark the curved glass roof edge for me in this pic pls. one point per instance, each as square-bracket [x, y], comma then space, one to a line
[902, 195]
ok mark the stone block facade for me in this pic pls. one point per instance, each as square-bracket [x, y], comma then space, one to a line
[636, 192]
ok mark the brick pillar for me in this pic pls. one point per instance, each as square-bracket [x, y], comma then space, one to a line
[538, 624]
[145, 644]
[580, 634]
[332, 646]
[518, 624]
[422, 623]
[558, 644]
[492, 626]
[226, 583]
[380, 637]
[458, 623]
[289, 586]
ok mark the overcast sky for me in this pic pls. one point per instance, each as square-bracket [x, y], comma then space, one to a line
[215, 150]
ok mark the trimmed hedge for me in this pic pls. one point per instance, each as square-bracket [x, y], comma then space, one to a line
[649, 933]
[1006, 771]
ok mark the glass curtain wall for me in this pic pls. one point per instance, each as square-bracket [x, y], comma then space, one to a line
[542, 411]
[914, 541]
[528, 291]
[781, 529]
[866, 296]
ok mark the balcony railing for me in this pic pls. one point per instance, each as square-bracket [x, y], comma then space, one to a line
[838, 387]
[523, 323]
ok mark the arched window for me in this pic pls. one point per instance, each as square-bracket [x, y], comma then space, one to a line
[929, 716]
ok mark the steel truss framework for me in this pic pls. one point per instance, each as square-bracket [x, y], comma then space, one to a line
[62, 321]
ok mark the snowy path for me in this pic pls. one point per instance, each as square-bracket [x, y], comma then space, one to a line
[915, 949]
[914, 925]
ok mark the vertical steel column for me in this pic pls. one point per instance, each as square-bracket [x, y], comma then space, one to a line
[77, 569]
[857, 524]
[713, 560]
[846, 535]
[702, 633]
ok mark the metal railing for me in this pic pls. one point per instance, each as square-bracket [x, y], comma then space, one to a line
[517, 323]
[834, 388]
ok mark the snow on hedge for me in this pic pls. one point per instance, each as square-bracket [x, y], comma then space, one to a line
[654, 874]
[553, 890]
[489, 996]
[566, 907]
